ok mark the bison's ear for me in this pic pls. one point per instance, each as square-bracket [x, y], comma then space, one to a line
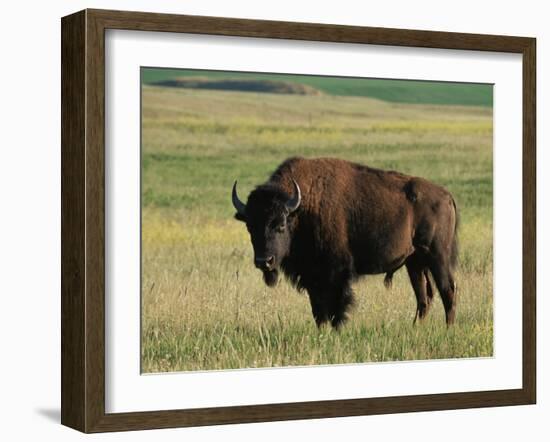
[240, 217]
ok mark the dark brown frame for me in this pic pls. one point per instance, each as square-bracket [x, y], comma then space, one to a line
[83, 216]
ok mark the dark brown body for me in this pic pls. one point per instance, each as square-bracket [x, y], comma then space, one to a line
[355, 220]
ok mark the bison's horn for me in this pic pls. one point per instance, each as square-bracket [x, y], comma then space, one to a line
[293, 203]
[239, 205]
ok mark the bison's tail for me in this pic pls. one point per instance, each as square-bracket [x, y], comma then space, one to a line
[454, 244]
[388, 280]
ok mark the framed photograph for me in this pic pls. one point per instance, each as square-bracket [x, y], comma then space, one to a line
[269, 220]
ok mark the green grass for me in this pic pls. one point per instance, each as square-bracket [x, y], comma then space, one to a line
[204, 305]
[397, 91]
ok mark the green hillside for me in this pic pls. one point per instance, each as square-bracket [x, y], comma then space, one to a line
[396, 91]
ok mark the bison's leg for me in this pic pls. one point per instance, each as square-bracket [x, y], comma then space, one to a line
[318, 307]
[416, 268]
[446, 285]
[331, 303]
[430, 291]
[341, 300]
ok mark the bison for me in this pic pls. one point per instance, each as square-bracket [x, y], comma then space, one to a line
[324, 222]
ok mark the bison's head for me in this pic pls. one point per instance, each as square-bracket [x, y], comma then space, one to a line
[269, 219]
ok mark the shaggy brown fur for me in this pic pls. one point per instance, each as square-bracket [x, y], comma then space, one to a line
[353, 220]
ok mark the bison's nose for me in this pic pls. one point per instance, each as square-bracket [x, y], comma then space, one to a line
[264, 263]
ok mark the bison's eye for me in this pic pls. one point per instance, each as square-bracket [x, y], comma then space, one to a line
[278, 225]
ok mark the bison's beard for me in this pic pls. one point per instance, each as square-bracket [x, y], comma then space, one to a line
[271, 277]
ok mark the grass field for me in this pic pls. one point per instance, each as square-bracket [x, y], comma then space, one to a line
[398, 91]
[204, 306]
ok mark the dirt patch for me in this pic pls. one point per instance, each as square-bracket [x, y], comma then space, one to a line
[269, 86]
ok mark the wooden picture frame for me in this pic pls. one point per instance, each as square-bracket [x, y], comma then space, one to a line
[83, 220]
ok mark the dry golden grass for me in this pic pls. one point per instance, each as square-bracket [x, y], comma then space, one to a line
[204, 306]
